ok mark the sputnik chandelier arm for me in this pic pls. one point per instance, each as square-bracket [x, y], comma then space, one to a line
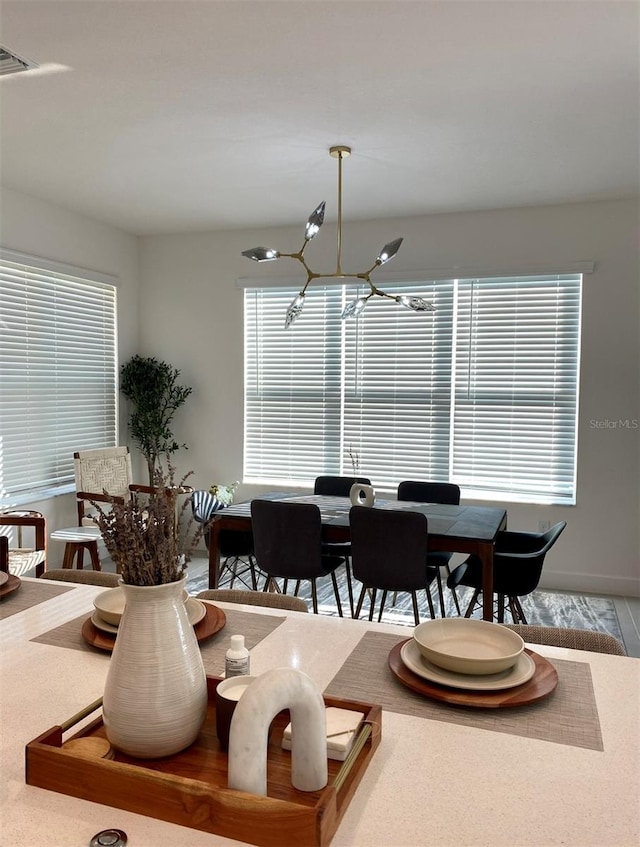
[312, 227]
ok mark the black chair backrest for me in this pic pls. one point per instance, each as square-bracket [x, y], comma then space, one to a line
[287, 539]
[389, 548]
[519, 557]
[429, 492]
[337, 486]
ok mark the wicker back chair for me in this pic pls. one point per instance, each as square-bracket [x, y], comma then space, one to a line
[255, 598]
[103, 578]
[20, 559]
[574, 639]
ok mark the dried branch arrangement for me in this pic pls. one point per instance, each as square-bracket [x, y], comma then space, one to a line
[354, 456]
[147, 536]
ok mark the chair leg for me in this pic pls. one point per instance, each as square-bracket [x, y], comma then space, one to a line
[382, 602]
[360, 601]
[336, 592]
[252, 569]
[314, 596]
[500, 616]
[440, 593]
[472, 604]
[455, 597]
[432, 611]
[347, 567]
[374, 592]
[515, 602]
[414, 600]
[95, 556]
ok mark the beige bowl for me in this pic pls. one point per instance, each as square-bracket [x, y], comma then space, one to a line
[110, 605]
[464, 645]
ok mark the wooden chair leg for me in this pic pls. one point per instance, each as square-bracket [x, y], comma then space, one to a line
[95, 557]
[69, 555]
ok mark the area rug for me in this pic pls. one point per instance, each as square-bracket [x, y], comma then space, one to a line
[542, 608]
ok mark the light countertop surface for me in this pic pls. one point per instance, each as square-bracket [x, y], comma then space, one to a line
[429, 782]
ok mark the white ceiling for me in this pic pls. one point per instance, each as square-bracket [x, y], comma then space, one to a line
[164, 117]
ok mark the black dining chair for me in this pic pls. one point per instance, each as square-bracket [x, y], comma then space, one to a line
[518, 558]
[389, 551]
[236, 548]
[339, 486]
[288, 545]
[434, 492]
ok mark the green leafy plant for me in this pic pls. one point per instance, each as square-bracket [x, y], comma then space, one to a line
[153, 389]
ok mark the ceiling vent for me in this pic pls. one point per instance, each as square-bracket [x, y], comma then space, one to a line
[12, 64]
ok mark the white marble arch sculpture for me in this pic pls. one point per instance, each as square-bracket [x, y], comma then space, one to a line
[270, 693]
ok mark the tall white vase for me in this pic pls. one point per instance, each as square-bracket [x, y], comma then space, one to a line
[155, 696]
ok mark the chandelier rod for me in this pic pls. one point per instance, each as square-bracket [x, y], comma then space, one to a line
[339, 253]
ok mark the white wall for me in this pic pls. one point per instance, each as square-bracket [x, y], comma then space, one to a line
[192, 316]
[42, 229]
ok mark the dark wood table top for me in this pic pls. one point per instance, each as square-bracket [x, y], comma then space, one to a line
[480, 523]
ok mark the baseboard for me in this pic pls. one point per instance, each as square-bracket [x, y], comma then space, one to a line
[583, 583]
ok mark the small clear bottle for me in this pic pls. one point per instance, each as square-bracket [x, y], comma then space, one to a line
[236, 662]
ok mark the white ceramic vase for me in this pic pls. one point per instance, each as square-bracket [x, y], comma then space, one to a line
[362, 495]
[155, 696]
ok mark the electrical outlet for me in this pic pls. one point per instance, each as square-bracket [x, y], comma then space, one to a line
[543, 526]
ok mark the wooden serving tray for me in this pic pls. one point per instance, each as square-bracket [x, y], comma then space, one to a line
[190, 788]
[213, 621]
[12, 584]
[542, 683]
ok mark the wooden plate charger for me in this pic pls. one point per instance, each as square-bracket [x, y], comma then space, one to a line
[213, 621]
[541, 685]
[9, 585]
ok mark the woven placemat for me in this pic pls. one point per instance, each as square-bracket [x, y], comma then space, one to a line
[568, 716]
[254, 627]
[30, 594]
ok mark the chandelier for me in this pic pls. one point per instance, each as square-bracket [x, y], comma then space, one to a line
[354, 307]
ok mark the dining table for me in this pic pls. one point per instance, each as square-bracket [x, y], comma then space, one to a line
[454, 529]
[561, 771]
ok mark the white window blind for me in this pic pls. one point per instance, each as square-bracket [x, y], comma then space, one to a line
[482, 392]
[516, 385]
[57, 373]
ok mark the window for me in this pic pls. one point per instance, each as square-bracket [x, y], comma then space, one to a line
[57, 373]
[482, 392]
